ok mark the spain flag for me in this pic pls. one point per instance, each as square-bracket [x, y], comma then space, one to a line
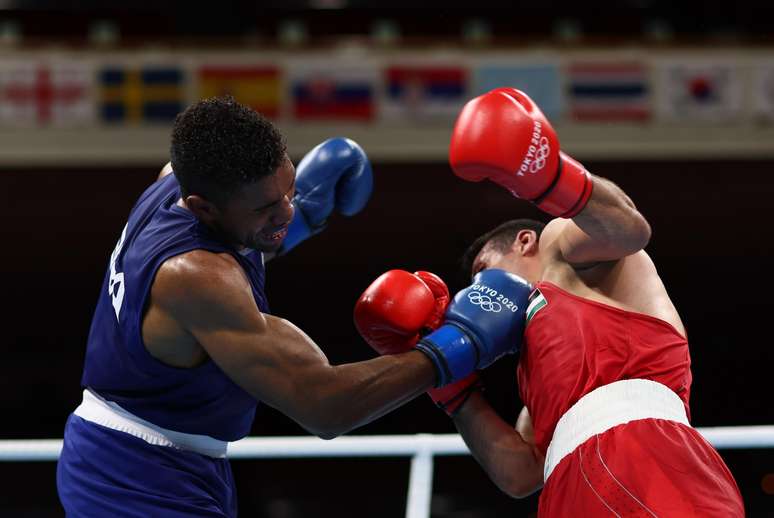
[259, 87]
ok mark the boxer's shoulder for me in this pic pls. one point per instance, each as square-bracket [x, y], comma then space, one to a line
[194, 274]
[631, 284]
[185, 284]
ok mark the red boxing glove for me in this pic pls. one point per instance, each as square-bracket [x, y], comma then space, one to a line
[395, 311]
[503, 136]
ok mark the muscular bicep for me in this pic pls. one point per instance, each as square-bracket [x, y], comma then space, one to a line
[569, 243]
[269, 357]
[565, 241]
[581, 249]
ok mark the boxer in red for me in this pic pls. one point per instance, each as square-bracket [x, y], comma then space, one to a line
[604, 370]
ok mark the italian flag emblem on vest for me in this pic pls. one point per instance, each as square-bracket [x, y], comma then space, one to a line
[536, 302]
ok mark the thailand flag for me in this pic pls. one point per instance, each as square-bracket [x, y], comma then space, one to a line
[614, 91]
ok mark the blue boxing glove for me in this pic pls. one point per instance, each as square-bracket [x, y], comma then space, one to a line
[482, 323]
[335, 174]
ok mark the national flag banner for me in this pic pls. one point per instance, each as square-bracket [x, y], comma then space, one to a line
[424, 91]
[541, 81]
[256, 86]
[343, 93]
[601, 91]
[691, 91]
[147, 94]
[763, 91]
[46, 93]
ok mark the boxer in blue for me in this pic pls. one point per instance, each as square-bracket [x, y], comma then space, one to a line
[182, 345]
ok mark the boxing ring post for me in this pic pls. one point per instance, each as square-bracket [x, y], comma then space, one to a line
[420, 490]
[422, 448]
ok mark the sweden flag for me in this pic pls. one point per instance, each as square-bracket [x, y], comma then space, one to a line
[149, 94]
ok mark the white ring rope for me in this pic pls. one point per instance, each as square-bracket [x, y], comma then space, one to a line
[724, 437]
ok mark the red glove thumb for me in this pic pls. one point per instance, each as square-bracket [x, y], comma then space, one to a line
[441, 293]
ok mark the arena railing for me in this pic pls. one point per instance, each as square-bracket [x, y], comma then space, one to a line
[421, 448]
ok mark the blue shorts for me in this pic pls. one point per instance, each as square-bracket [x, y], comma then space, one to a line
[104, 472]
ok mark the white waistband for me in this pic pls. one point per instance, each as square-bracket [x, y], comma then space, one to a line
[609, 406]
[109, 414]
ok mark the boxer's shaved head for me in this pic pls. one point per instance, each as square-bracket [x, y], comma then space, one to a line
[219, 145]
[500, 239]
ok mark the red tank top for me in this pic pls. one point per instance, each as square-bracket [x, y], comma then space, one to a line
[573, 345]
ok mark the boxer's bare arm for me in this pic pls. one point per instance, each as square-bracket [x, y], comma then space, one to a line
[274, 361]
[512, 462]
[608, 228]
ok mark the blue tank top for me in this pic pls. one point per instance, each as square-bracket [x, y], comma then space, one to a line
[200, 400]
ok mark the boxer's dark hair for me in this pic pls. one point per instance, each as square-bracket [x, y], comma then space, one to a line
[219, 145]
[501, 237]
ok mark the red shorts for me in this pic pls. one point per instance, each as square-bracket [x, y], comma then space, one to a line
[648, 467]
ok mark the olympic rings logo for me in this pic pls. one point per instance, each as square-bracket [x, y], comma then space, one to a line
[540, 156]
[486, 303]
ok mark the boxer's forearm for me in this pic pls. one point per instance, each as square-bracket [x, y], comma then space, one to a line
[355, 394]
[509, 461]
[608, 228]
[611, 218]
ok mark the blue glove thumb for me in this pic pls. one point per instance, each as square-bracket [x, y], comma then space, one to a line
[356, 184]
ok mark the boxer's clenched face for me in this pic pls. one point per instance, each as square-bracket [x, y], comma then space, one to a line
[520, 258]
[257, 216]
